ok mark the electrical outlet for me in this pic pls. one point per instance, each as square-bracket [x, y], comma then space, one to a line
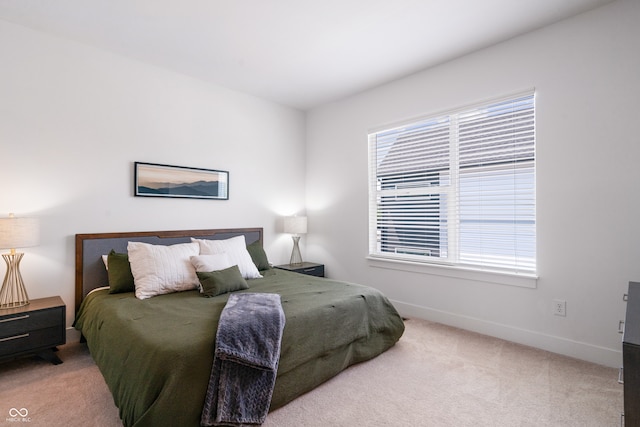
[559, 307]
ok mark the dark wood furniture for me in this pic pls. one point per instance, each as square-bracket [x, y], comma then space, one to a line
[36, 328]
[310, 268]
[631, 357]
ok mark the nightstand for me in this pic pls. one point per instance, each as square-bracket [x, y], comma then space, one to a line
[309, 268]
[36, 328]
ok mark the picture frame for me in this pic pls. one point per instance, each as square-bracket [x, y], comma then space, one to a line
[158, 180]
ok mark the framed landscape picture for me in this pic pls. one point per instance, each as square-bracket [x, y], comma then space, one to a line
[155, 180]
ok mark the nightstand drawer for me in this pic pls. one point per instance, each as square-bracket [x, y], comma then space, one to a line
[30, 321]
[318, 270]
[25, 342]
[308, 268]
[34, 328]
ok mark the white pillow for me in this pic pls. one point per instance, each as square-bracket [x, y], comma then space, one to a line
[159, 269]
[236, 250]
[209, 263]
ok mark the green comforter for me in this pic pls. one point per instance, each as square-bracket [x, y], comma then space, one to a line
[156, 354]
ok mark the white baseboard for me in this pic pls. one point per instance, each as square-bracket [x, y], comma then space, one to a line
[73, 335]
[579, 350]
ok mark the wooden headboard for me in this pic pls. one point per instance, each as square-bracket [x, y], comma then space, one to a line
[91, 272]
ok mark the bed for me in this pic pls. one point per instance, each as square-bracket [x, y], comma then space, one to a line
[156, 354]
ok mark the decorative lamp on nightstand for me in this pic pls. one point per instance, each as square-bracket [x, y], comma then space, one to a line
[295, 225]
[15, 233]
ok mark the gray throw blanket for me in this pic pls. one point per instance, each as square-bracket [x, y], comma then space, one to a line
[245, 364]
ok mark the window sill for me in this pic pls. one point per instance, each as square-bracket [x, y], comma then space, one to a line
[502, 278]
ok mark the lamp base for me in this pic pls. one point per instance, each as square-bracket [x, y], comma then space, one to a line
[296, 257]
[13, 293]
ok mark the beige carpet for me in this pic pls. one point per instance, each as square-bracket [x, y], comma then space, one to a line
[435, 376]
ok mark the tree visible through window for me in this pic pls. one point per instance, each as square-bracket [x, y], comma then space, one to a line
[457, 189]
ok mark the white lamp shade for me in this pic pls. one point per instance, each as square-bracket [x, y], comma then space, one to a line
[19, 232]
[295, 224]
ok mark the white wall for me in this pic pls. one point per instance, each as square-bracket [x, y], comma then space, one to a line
[585, 71]
[73, 119]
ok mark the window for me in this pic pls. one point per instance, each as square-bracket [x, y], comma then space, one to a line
[458, 189]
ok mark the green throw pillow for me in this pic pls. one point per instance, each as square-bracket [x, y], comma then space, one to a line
[258, 256]
[222, 281]
[119, 273]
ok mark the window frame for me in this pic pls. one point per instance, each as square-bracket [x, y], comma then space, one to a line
[450, 265]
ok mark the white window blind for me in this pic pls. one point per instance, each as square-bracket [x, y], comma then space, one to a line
[458, 189]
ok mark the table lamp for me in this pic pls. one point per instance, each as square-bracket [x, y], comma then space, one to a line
[295, 225]
[15, 233]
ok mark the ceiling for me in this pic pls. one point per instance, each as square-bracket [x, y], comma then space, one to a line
[300, 53]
